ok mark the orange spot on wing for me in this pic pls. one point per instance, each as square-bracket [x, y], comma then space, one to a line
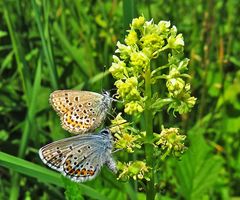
[68, 162]
[83, 172]
[69, 120]
[69, 168]
[78, 172]
[63, 109]
[91, 172]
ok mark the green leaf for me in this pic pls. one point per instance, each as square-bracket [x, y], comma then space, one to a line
[199, 168]
[3, 33]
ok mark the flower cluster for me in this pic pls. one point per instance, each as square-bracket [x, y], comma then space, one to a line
[136, 170]
[127, 137]
[177, 87]
[147, 86]
[171, 141]
[144, 42]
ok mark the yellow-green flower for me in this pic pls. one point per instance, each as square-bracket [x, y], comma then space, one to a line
[175, 86]
[139, 61]
[118, 68]
[183, 102]
[124, 50]
[128, 89]
[171, 141]
[164, 26]
[131, 38]
[154, 42]
[118, 124]
[136, 170]
[133, 107]
[126, 136]
[175, 42]
[137, 23]
[127, 141]
[191, 101]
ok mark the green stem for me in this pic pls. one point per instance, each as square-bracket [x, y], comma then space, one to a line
[159, 69]
[149, 134]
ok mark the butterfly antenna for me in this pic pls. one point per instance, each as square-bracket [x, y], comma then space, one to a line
[115, 151]
[102, 80]
[113, 89]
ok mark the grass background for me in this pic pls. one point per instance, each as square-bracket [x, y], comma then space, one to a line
[49, 45]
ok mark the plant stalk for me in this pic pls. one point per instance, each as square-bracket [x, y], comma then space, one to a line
[150, 193]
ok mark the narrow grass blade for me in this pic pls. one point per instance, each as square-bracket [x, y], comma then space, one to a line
[30, 169]
[129, 12]
[46, 46]
[75, 53]
[44, 175]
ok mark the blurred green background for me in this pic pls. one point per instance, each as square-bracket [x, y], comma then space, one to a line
[49, 45]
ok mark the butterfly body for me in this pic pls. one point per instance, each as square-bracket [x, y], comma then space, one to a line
[81, 157]
[80, 111]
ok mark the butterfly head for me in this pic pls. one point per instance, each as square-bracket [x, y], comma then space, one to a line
[107, 100]
[106, 134]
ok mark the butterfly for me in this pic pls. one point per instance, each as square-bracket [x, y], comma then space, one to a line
[80, 111]
[80, 157]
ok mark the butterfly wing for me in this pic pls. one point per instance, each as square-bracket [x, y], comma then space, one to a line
[80, 158]
[83, 167]
[80, 111]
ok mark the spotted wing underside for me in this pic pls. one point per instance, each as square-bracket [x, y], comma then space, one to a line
[78, 158]
[80, 111]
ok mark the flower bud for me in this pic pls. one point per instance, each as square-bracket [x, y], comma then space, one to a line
[175, 42]
[118, 68]
[131, 38]
[164, 26]
[124, 50]
[137, 23]
[175, 86]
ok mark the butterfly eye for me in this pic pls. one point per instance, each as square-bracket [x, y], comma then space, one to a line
[106, 93]
[105, 132]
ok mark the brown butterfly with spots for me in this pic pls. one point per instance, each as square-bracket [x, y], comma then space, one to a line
[80, 111]
[80, 157]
